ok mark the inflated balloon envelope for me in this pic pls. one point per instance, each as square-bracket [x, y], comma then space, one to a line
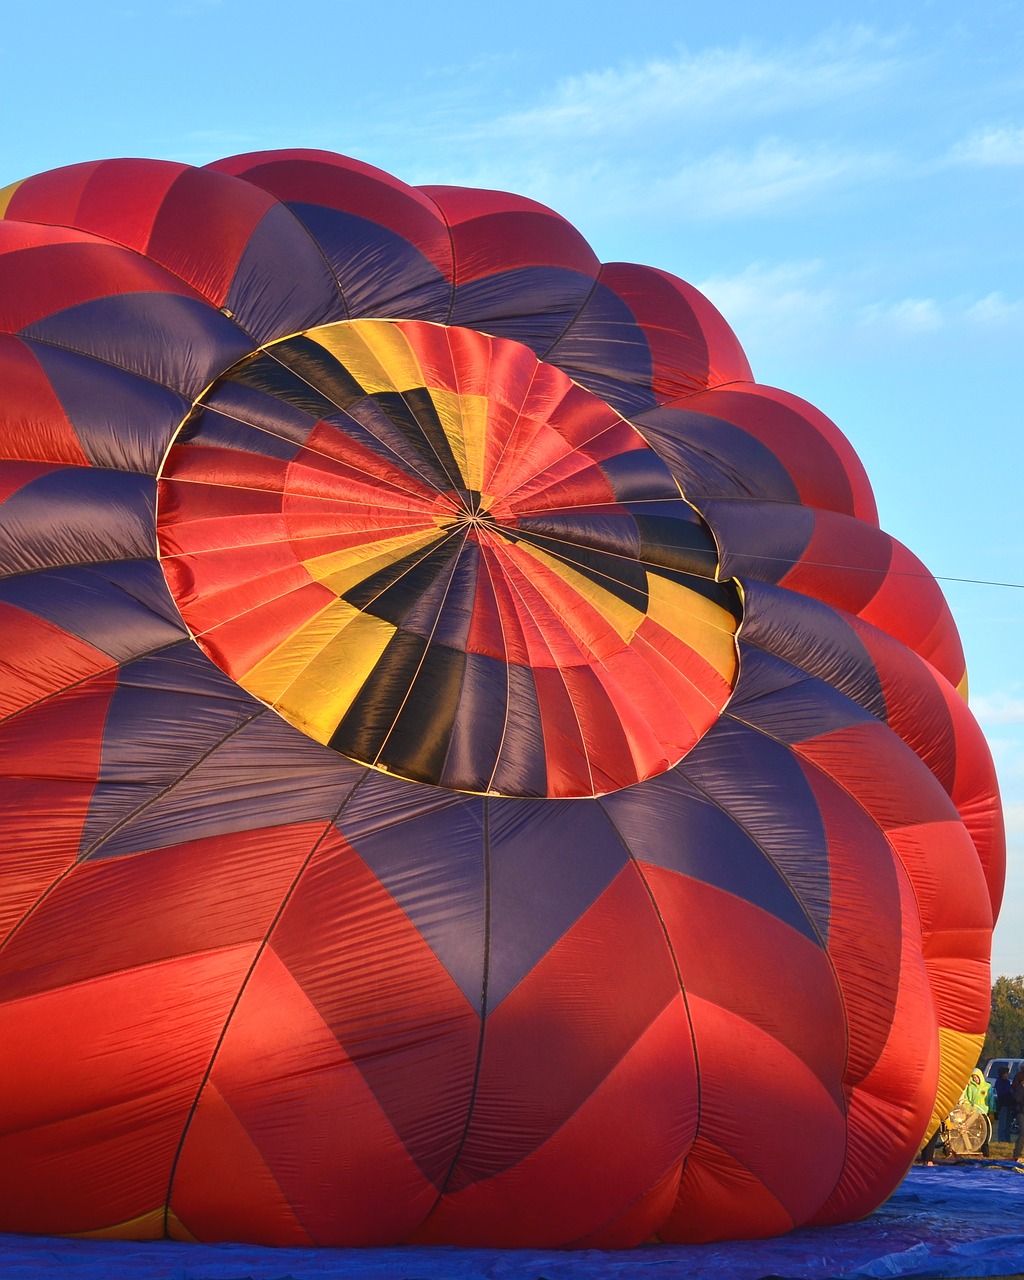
[474, 770]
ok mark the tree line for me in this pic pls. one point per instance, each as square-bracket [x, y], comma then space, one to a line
[1005, 1035]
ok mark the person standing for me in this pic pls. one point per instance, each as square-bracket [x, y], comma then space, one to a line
[1018, 1098]
[1006, 1108]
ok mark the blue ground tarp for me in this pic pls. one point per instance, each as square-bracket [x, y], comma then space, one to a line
[962, 1220]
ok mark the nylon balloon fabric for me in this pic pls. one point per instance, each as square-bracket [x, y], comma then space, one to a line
[475, 771]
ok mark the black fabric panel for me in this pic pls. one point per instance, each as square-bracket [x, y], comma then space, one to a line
[413, 413]
[365, 725]
[418, 743]
[392, 592]
[477, 734]
[621, 577]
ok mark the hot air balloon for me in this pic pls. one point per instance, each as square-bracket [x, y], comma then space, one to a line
[474, 769]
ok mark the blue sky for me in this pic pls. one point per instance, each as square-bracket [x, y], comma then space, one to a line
[846, 182]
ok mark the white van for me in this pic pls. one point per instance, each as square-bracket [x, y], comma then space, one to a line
[993, 1065]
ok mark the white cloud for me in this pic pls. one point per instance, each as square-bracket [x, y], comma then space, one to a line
[991, 146]
[716, 83]
[772, 301]
[772, 177]
[910, 315]
[999, 708]
[994, 309]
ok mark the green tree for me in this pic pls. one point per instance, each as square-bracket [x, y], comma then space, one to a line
[1005, 1035]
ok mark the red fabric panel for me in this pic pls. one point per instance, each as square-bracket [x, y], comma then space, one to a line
[692, 346]
[33, 423]
[910, 605]
[38, 658]
[91, 1117]
[781, 1123]
[52, 197]
[605, 1171]
[398, 1014]
[127, 912]
[844, 563]
[714, 1182]
[869, 760]
[222, 1188]
[51, 755]
[236, 646]
[655, 1205]
[817, 456]
[202, 228]
[956, 920]
[337, 182]
[563, 1029]
[309, 1131]
[37, 281]
[888, 1110]
[494, 231]
[875, 946]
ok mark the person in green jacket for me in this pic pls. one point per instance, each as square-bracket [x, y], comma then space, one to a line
[980, 1095]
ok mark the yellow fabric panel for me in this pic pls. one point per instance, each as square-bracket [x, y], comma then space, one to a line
[6, 195]
[622, 617]
[147, 1226]
[962, 688]
[958, 1056]
[374, 352]
[700, 623]
[272, 675]
[327, 686]
[464, 419]
[342, 570]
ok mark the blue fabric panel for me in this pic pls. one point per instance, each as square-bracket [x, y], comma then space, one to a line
[959, 1220]
[77, 515]
[670, 823]
[264, 774]
[167, 712]
[256, 411]
[427, 849]
[521, 768]
[814, 637]
[381, 273]
[456, 611]
[178, 342]
[713, 458]
[639, 476]
[786, 703]
[549, 861]
[762, 785]
[217, 430]
[282, 283]
[124, 609]
[531, 305]
[760, 540]
[122, 421]
[605, 350]
[478, 731]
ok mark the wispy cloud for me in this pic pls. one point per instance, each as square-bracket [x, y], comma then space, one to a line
[999, 708]
[772, 301]
[991, 146]
[718, 83]
[910, 316]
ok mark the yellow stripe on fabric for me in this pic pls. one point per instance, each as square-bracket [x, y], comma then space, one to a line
[706, 627]
[958, 1056]
[374, 352]
[313, 677]
[7, 195]
[328, 686]
[962, 688]
[147, 1226]
[465, 422]
[342, 570]
[619, 615]
[452, 410]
